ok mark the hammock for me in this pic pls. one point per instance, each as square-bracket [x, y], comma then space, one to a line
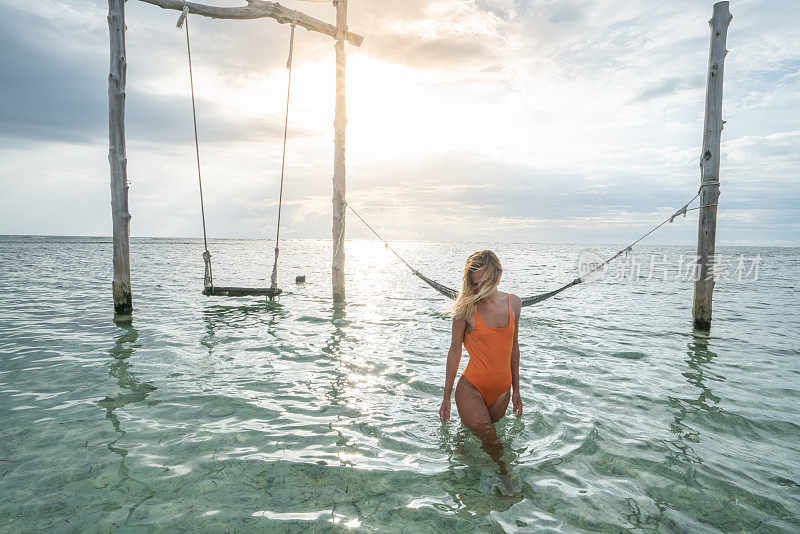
[451, 293]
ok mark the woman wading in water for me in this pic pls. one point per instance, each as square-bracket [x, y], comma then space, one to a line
[486, 322]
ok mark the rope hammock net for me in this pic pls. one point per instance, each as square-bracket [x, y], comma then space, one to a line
[535, 299]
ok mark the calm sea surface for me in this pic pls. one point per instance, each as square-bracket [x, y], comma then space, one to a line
[234, 414]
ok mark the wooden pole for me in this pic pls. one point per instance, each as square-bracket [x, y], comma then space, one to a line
[340, 122]
[118, 161]
[709, 165]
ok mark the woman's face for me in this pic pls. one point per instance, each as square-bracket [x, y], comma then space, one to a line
[475, 279]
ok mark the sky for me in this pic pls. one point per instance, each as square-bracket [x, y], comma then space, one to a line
[468, 120]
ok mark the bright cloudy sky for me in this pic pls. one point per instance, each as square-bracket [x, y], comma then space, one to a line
[494, 120]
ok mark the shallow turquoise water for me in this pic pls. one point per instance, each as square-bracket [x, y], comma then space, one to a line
[241, 415]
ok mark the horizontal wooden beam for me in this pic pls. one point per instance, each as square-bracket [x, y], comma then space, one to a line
[256, 9]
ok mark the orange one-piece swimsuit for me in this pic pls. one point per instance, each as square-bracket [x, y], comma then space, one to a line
[489, 349]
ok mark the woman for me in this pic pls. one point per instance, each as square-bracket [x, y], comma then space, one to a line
[486, 321]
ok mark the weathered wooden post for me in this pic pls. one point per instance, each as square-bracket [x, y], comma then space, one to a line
[118, 161]
[709, 165]
[340, 122]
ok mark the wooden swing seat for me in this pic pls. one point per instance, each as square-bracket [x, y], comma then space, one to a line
[220, 291]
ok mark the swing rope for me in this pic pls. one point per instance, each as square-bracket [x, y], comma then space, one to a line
[208, 280]
[274, 277]
[535, 299]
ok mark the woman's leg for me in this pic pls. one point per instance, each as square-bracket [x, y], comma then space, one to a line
[475, 415]
[498, 409]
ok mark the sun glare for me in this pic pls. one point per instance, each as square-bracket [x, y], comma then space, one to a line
[387, 108]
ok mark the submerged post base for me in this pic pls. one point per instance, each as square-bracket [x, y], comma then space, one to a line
[702, 324]
[123, 301]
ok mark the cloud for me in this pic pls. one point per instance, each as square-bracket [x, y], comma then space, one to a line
[53, 91]
[669, 86]
[438, 34]
[527, 192]
[433, 52]
[778, 145]
[45, 93]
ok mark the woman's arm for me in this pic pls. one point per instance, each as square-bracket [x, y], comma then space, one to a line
[516, 399]
[453, 359]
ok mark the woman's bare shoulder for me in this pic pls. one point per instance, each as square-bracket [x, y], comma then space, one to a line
[515, 301]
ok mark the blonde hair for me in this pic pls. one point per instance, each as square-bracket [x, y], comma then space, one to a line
[467, 301]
